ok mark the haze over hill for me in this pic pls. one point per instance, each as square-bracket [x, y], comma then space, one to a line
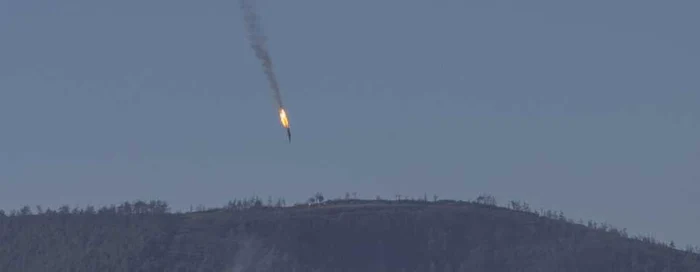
[337, 235]
[589, 106]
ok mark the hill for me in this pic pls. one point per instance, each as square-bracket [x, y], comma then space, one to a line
[336, 235]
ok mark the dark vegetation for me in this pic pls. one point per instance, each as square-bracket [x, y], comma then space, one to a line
[345, 234]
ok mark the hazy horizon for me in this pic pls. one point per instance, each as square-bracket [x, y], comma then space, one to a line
[591, 108]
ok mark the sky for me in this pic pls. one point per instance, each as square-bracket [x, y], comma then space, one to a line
[588, 107]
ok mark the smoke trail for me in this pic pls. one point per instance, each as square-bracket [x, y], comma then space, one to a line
[258, 42]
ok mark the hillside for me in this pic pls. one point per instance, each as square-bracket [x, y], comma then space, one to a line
[338, 235]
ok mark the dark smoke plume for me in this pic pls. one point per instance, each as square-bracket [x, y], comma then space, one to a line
[258, 42]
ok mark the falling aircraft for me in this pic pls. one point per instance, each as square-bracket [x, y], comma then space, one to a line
[258, 43]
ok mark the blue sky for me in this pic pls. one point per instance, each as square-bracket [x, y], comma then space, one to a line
[589, 107]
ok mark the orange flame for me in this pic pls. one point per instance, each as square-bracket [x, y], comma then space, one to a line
[283, 118]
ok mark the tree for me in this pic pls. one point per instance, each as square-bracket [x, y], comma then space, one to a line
[139, 207]
[280, 203]
[158, 207]
[319, 197]
[25, 210]
[515, 205]
[257, 202]
[125, 208]
[90, 209]
[486, 200]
